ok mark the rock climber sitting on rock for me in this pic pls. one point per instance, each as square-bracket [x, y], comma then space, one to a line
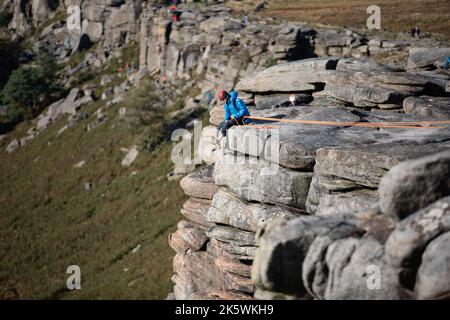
[235, 111]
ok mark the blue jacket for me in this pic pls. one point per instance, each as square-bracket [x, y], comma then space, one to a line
[235, 107]
[447, 63]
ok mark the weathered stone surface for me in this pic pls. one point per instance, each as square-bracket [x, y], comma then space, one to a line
[230, 250]
[229, 210]
[217, 115]
[366, 165]
[283, 246]
[13, 146]
[294, 76]
[40, 10]
[209, 146]
[195, 209]
[130, 157]
[340, 267]
[196, 273]
[280, 100]
[325, 202]
[229, 234]
[94, 30]
[238, 283]
[298, 143]
[262, 181]
[352, 265]
[424, 58]
[407, 243]
[72, 103]
[369, 87]
[192, 234]
[433, 276]
[199, 184]
[233, 266]
[433, 107]
[177, 243]
[412, 185]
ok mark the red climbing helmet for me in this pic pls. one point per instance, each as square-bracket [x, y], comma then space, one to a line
[222, 95]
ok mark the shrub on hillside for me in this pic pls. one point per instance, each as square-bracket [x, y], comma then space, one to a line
[30, 88]
[146, 117]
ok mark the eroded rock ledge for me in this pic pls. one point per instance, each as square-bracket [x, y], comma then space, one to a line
[296, 211]
[313, 210]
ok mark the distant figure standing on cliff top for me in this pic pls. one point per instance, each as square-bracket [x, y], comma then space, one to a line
[245, 19]
[415, 32]
[235, 111]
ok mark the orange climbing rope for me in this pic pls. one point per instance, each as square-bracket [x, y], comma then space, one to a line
[390, 125]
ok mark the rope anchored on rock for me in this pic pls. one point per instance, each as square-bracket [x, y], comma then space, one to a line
[391, 125]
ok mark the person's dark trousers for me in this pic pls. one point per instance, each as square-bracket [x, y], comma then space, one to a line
[227, 124]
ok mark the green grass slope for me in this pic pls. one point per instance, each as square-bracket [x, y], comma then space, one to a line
[49, 221]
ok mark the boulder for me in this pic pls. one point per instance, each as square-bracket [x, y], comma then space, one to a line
[283, 246]
[105, 80]
[94, 30]
[433, 276]
[280, 100]
[433, 107]
[324, 202]
[230, 234]
[195, 272]
[209, 146]
[231, 250]
[43, 123]
[217, 115]
[130, 157]
[200, 184]
[227, 209]
[352, 268]
[412, 185]
[365, 83]
[13, 146]
[193, 236]
[409, 240]
[296, 76]
[259, 180]
[25, 140]
[425, 58]
[40, 11]
[195, 210]
[233, 266]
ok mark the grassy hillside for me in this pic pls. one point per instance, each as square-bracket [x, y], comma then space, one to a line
[396, 15]
[49, 221]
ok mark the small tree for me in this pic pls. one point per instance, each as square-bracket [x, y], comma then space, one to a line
[23, 90]
[31, 88]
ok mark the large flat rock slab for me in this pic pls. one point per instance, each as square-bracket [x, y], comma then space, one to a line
[200, 184]
[425, 58]
[296, 76]
[254, 179]
[425, 106]
[227, 209]
[367, 85]
[298, 143]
